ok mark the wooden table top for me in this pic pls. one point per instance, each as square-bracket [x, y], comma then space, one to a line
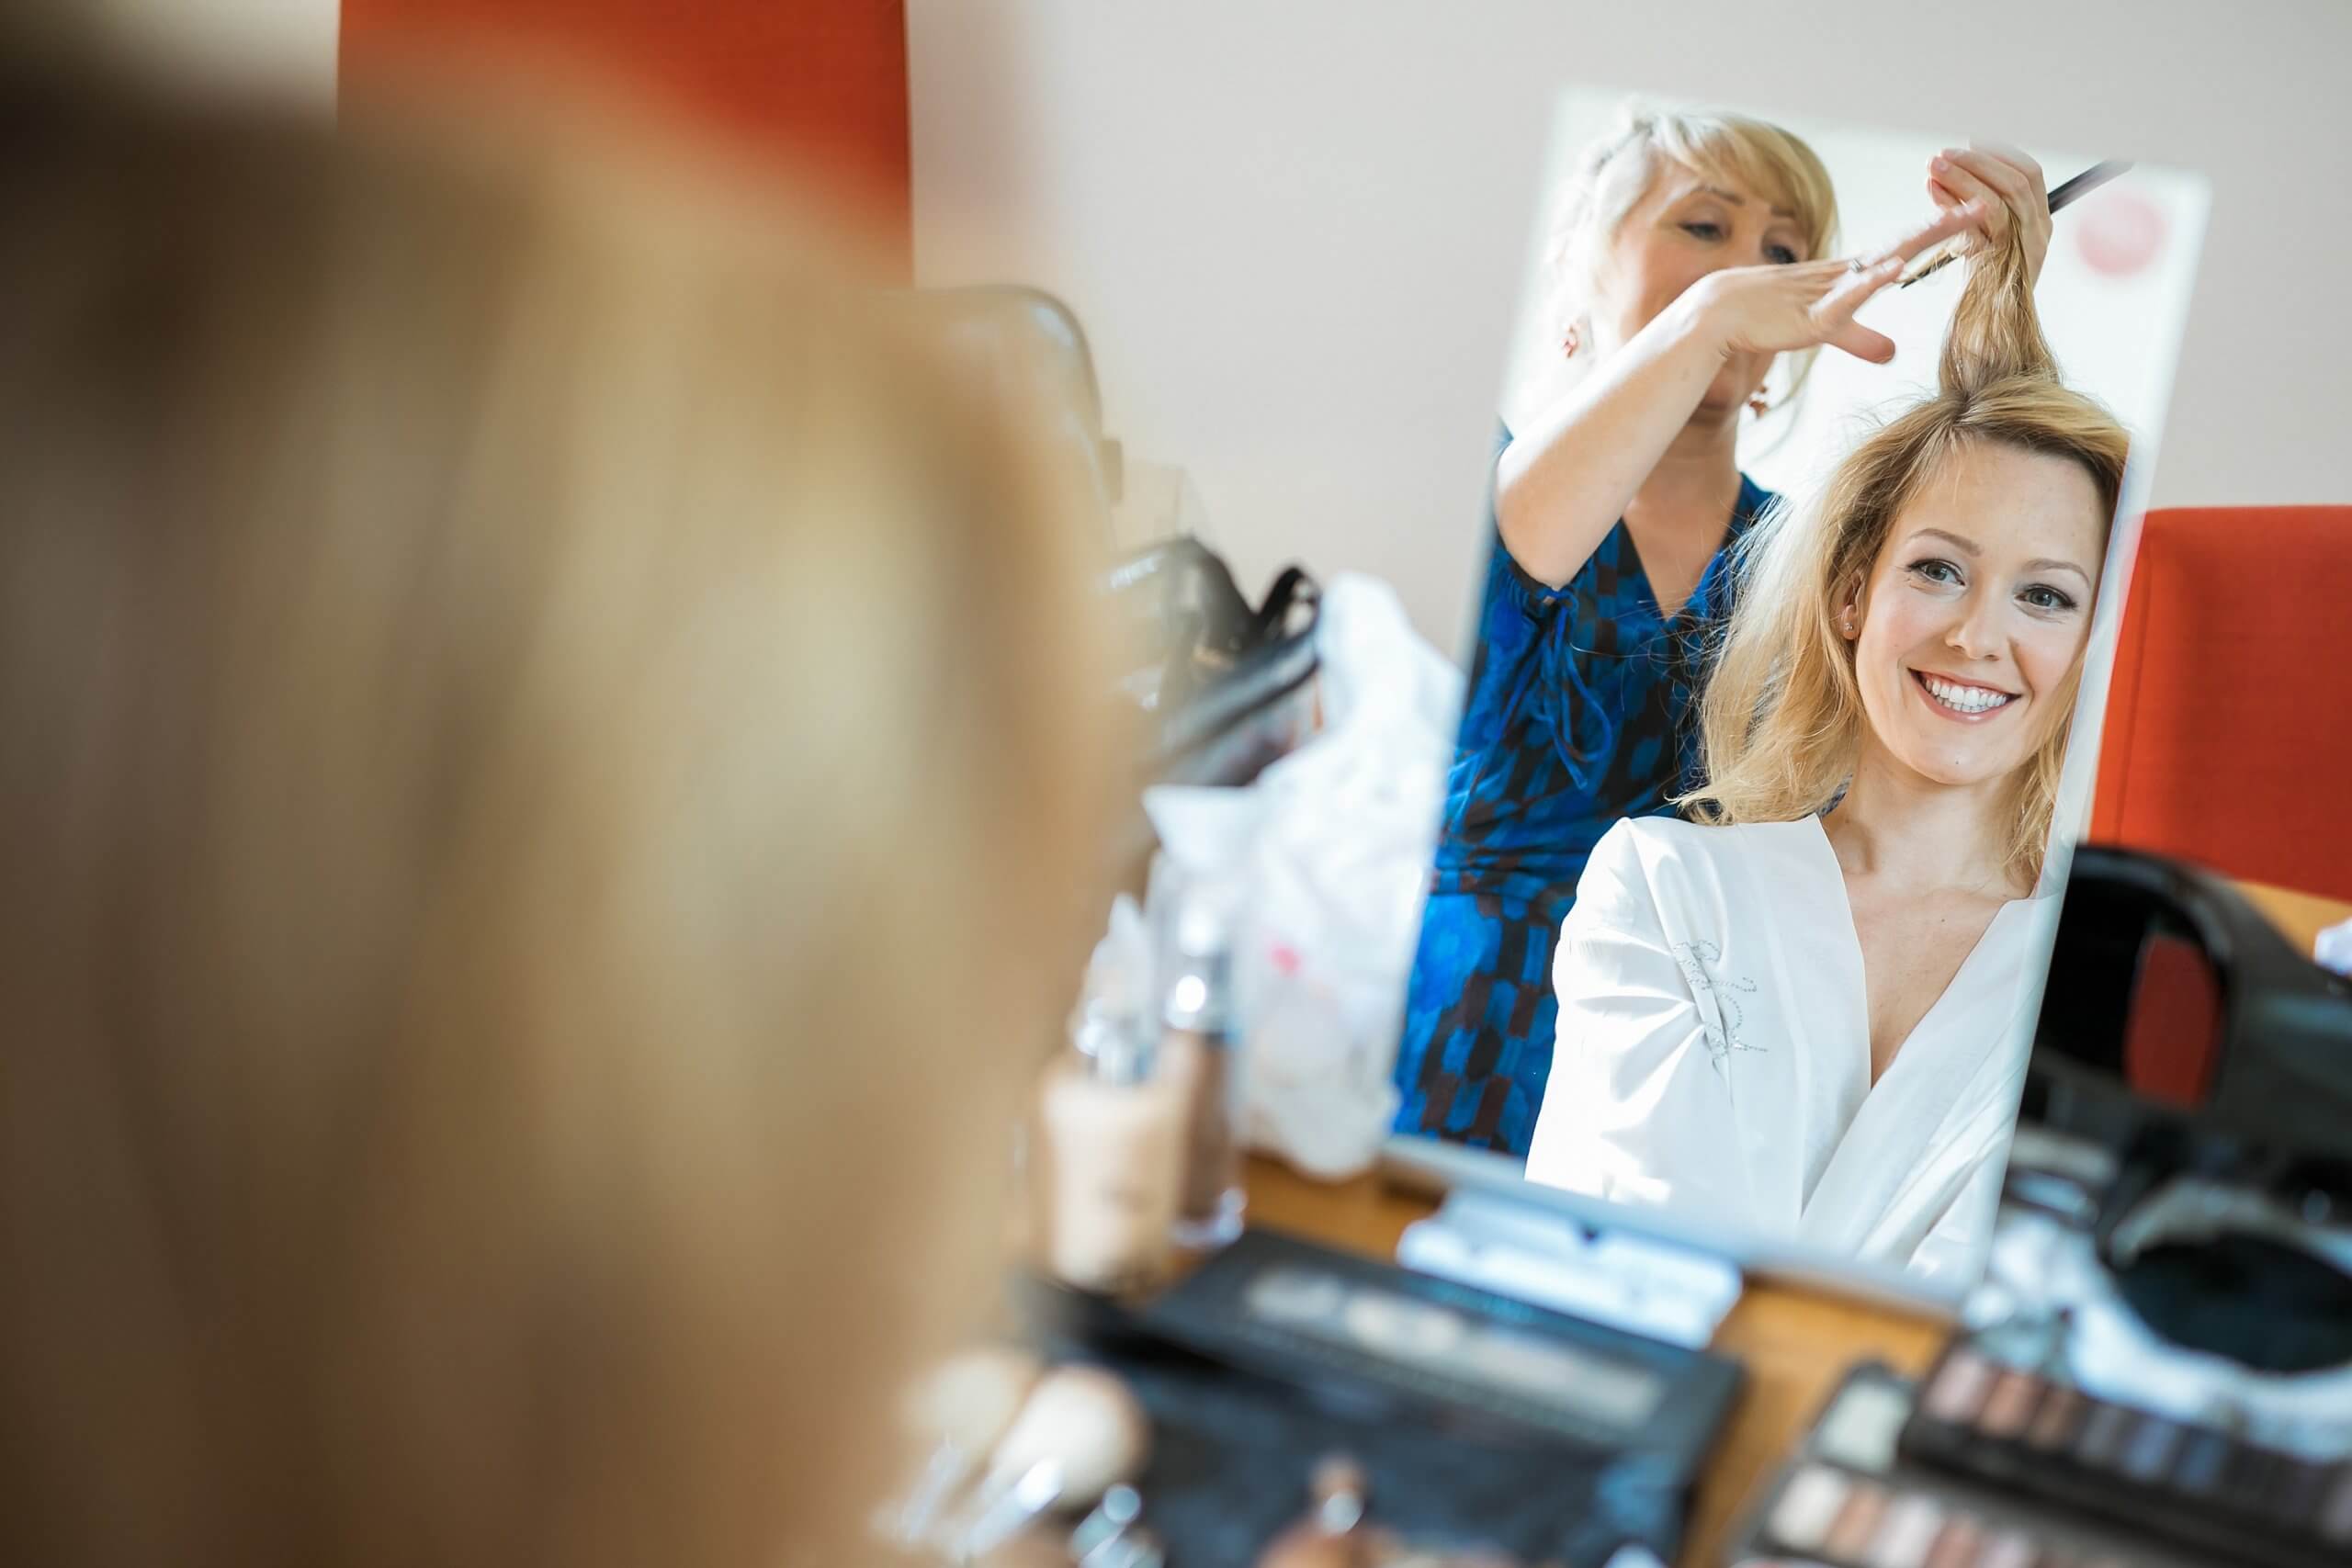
[2301, 916]
[1795, 1342]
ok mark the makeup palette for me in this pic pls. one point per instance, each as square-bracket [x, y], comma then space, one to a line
[1291, 1309]
[1855, 1499]
[1479, 1422]
[2226, 1498]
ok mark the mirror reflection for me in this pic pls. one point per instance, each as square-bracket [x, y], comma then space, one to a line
[1803, 523]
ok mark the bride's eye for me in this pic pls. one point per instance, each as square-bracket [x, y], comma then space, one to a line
[1935, 569]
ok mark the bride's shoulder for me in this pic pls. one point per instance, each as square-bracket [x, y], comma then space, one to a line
[1651, 841]
[1659, 875]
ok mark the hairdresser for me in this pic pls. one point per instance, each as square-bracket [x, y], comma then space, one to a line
[1688, 289]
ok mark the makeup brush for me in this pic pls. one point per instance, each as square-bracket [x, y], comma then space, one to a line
[963, 1406]
[1332, 1534]
[1137, 1548]
[1080, 1433]
[1120, 1511]
[2067, 192]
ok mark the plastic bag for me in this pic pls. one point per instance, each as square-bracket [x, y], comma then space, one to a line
[2333, 949]
[1323, 864]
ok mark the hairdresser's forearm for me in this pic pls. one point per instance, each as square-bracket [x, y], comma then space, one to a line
[1564, 482]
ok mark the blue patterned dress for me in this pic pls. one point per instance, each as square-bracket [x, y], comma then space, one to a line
[1577, 713]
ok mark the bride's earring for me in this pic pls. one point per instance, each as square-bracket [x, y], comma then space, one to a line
[1760, 404]
[1570, 341]
[1846, 623]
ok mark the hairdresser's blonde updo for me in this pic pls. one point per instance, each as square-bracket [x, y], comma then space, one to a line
[1616, 171]
[1782, 721]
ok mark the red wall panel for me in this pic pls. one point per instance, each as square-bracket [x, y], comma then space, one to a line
[2229, 718]
[820, 84]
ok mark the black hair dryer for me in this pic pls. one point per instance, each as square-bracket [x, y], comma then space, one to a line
[2180, 1032]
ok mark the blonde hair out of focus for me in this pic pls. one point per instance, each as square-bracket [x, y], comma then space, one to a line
[549, 761]
[1780, 723]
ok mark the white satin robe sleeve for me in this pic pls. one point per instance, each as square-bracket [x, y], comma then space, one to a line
[1637, 1109]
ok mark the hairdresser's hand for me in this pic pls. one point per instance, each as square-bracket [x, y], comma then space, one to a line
[2004, 181]
[1774, 310]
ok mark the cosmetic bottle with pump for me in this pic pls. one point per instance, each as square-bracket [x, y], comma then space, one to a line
[1108, 1158]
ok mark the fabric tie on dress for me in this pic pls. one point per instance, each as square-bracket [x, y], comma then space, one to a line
[1582, 730]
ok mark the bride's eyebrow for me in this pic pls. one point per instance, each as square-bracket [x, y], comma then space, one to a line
[2051, 564]
[1965, 545]
[1970, 547]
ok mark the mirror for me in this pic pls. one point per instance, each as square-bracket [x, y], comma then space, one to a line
[1784, 676]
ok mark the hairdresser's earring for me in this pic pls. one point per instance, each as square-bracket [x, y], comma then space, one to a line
[1570, 341]
[1759, 405]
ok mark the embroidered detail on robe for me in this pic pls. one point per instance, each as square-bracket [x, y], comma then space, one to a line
[1717, 997]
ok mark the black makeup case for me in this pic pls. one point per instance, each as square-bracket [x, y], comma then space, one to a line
[1278, 1353]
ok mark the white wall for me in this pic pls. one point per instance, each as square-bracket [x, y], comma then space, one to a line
[1295, 228]
[284, 48]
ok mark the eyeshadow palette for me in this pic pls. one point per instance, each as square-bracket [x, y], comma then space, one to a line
[1481, 1421]
[1851, 1501]
[1291, 1309]
[2196, 1485]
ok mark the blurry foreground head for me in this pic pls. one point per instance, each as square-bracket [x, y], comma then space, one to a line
[546, 770]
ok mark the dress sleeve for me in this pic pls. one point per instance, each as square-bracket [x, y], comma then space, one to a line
[1510, 592]
[1635, 1110]
[1512, 583]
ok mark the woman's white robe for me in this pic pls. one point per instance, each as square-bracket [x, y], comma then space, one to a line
[1713, 1052]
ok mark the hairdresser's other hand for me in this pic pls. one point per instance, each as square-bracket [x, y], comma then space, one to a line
[1774, 310]
[2005, 182]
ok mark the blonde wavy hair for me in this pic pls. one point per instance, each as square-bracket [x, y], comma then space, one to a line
[550, 761]
[1614, 172]
[1782, 720]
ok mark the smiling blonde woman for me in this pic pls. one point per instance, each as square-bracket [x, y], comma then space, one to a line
[1795, 1017]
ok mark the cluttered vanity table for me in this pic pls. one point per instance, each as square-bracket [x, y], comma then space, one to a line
[1795, 1342]
[1876, 1333]
[2155, 1371]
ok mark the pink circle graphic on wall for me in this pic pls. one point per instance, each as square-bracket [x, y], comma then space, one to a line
[2120, 233]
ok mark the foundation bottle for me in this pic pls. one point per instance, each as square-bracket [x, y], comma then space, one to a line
[1107, 1159]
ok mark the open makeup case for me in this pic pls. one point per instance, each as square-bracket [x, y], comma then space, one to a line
[1479, 1422]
